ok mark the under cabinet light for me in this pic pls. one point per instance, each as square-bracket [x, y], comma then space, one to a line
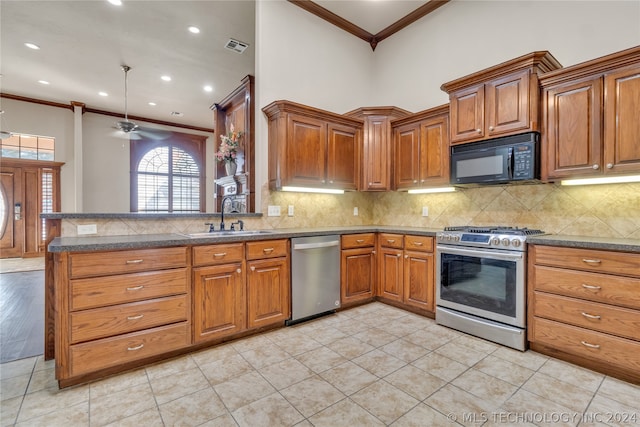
[607, 180]
[432, 190]
[313, 190]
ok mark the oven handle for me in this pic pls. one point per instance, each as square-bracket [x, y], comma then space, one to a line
[481, 253]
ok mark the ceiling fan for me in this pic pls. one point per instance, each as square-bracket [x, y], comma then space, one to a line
[131, 129]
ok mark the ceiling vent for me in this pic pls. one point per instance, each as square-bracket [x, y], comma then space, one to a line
[236, 46]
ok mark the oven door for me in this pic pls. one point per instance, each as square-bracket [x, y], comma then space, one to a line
[483, 282]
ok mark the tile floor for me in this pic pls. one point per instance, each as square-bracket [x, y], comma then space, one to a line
[368, 366]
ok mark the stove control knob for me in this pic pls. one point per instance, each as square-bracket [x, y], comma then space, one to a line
[456, 238]
[495, 241]
[505, 242]
[448, 237]
[516, 242]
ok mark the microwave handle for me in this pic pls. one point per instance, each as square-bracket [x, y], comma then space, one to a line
[510, 162]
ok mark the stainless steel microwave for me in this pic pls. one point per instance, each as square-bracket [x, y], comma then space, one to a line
[509, 159]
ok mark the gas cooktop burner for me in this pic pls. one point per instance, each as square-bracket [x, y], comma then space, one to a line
[495, 230]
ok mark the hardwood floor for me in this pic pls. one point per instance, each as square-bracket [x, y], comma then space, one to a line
[21, 315]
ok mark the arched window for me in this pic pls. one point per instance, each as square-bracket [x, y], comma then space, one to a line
[168, 175]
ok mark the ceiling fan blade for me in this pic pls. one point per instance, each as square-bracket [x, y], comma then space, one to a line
[152, 133]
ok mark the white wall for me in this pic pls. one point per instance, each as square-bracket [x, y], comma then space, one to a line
[42, 120]
[463, 37]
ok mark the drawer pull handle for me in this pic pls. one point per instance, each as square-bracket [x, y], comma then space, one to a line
[135, 288]
[139, 316]
[138, 347]
[586, 344]
[416, 243]
[359, 241]
[591, 316]
[593, 287]
[221, 254]
[134, 261]
[591, 261]
[391, 240]
[267, 250]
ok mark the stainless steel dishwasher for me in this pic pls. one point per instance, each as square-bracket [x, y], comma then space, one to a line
[315, 276]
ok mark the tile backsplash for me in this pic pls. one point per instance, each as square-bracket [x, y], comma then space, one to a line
[595, 210]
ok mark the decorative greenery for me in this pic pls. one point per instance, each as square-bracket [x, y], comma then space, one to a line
[228, 149]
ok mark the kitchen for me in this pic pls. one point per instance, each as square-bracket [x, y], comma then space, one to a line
[603, 212]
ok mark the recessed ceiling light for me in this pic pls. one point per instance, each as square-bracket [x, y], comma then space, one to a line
[32, 46]
[166, 78]
[43, 82]
[208, 88]
[115, 2]
[194, 30]
[103, 94]
[153, 104]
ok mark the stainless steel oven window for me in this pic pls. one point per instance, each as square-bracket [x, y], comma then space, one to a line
[483, 282]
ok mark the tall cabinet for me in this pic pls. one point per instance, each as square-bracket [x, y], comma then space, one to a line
[590, 117]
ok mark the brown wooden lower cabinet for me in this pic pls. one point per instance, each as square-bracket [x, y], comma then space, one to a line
[357, 268]
[268, 291]
[583, 306]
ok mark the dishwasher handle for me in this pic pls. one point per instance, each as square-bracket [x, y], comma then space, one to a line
[302, 246]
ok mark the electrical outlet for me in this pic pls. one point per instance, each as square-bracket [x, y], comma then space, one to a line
[273, 211]
[355, 211]
[425, 211]
[290, 210]
[87, 229]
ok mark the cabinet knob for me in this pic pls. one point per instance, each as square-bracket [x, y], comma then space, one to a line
[398, 255]
[609, 165]
[240, 270]
[422, 180]
[323, 181]
[491, 128]
[406, 256]
[479, 130]
[370, 184]
[330, 182]
[415, 181]
[596, 166]
[253, 268]
[373, 252]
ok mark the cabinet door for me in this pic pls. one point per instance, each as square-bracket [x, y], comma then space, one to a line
[434, 152]
[406, 163]
[391, 273]
[306, 151]
[357, 274]
[376, 154]
[219, 301]
[268, 292]
[622, 121]
[572, 129]
[419, 279]
[507, 104]
[343, 157]
[467, 114]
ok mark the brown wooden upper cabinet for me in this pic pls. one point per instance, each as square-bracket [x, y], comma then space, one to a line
[309, 147]
[498, 101]
[422, 149]
[377, 145]
[590, 120]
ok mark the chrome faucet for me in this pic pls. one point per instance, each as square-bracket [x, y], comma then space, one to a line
[224, 200]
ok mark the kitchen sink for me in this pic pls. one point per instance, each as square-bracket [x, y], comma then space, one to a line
[228, 233]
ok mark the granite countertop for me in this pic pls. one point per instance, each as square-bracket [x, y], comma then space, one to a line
[141, 241]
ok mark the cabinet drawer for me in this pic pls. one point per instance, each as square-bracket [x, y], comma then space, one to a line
[118, 262]
[389, 240]
[92, 356]
[218, 254]
[120, 319]
[622, 291]
[267, 249]
[110, 290]
[591, 315]
[358, 240]
[590, 344]
[418, 243]
[589, 260]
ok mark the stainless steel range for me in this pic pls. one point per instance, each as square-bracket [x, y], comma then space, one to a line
[481, 282]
